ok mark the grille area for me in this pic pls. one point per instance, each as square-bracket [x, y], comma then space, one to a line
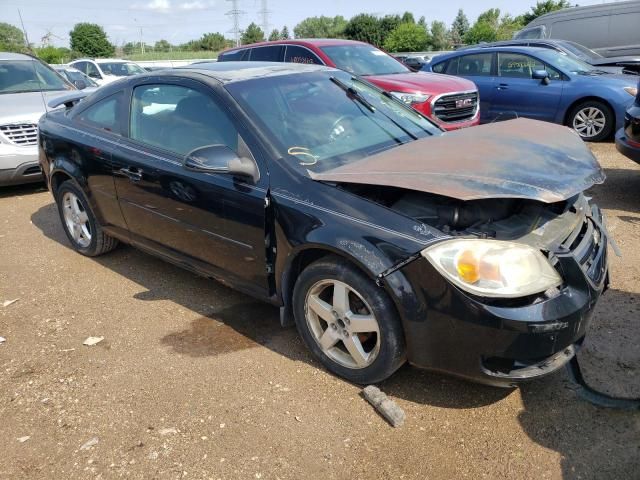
[589, 247]
[456, 107]
[21, 133]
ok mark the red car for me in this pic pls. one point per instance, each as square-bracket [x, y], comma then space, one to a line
[451, 102]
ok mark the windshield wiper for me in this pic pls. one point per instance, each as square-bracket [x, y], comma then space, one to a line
[353, 94]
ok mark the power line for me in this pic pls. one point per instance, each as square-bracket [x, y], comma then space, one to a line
[235, 13]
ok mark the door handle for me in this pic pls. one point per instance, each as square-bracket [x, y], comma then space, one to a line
[132, 173]
[503, 86]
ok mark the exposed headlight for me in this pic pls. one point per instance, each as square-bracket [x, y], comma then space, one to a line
[410, 98]
[493, 268]
[633, 91]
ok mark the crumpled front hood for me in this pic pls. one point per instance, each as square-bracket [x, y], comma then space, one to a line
[513, 159]
[26, 107]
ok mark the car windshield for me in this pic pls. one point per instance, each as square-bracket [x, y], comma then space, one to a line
[120, 69]
[565, 62]
[363, 60]
[581, 51]
[321, 120]
[74, 76]
[20, 76]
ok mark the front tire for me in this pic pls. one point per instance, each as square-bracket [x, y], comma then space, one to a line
[348, 322]
[79, 223]
[594, 121]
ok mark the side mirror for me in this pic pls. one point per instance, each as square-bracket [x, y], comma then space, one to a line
[541, 75]
[221, 159]
[80, 84]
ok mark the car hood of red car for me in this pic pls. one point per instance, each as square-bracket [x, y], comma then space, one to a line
[423, 82]
[519, 158]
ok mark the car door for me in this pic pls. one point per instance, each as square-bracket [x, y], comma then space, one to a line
[214, 223]
[478, 68]
[516, 90]
[97, 131]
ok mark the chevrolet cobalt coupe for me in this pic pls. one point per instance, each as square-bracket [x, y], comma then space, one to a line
[382, 237]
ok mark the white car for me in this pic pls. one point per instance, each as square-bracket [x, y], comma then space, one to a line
[106, 70]
[27, 85]
[75, 76]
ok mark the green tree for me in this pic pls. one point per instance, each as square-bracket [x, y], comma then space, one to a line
[543, 7]
[51, 54]
[90, 39]
[365, 28]
[252, 34]
[481, 32]
[459, 28]
[284, 33]
[274, 35]
[407, 37]
[320, 27]
[491, 17]
[130, 47]
[423, 22]
[215, 42]
[508, 26]
[388, 24]
[440, 38]
[11, 38]
[162, 46]
[407, 17]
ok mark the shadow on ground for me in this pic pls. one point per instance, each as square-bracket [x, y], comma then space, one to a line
[621, 186]
[17, 190]
[593, 442]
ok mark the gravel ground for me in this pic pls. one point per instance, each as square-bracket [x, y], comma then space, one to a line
[194, 380]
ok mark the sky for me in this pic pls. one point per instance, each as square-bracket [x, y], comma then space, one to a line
[181, 20]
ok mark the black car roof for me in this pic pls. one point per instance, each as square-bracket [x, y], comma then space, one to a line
[227, 72]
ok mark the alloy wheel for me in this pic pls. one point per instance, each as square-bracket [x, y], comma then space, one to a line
[589, 122]
[342, 324]
[76, 219]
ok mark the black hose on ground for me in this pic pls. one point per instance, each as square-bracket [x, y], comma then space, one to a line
[595, 397]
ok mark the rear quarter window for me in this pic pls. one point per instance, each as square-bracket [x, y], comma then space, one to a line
[104, 115]
[439, 67]
[234, 56]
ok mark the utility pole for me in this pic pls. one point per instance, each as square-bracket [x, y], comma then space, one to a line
[264, 15]
[235, 14]
[141, 42]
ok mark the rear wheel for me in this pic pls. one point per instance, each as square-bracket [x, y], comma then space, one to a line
[348, 322]
[79, 222]
[592, 120]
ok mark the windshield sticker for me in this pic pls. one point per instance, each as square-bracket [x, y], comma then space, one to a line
[305, 153]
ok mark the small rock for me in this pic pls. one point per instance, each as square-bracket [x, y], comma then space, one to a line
[6, 303]
[2, 340]
[90, 443]
[153, 455]
[298, 419]
[222, 425]
[90, 341]
[24, 439]
[384, 405]
[168, 431]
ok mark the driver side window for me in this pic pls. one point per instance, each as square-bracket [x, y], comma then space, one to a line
[92, 71]
[179, 119]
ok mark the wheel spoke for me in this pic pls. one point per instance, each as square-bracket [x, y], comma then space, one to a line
[328, 339]
[580, 116]
[75, 205]
[362, 323]
[320, 308]
[341, 298]
[352, 342]
[581, 127]
[76, 232]
[83, 217]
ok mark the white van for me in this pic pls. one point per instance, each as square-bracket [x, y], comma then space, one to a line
[611, 29]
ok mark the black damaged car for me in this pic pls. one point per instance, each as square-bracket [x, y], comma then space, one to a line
[384, 239]
[628, 137]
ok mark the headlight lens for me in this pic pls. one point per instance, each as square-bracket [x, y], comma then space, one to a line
[410, 98]
[493, 268]
[633, 91]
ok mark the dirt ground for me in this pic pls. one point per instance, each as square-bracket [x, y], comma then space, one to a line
[194, 380]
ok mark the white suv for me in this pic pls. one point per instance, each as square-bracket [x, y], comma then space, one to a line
[26, 87]
[106, 70]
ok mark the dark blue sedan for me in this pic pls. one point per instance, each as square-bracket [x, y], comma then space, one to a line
[545, 85]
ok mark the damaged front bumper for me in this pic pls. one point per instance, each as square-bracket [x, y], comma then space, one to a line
[503, 342]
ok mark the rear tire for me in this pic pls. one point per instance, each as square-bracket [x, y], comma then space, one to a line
[79, 223]
[348, 322]
[593, 120]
